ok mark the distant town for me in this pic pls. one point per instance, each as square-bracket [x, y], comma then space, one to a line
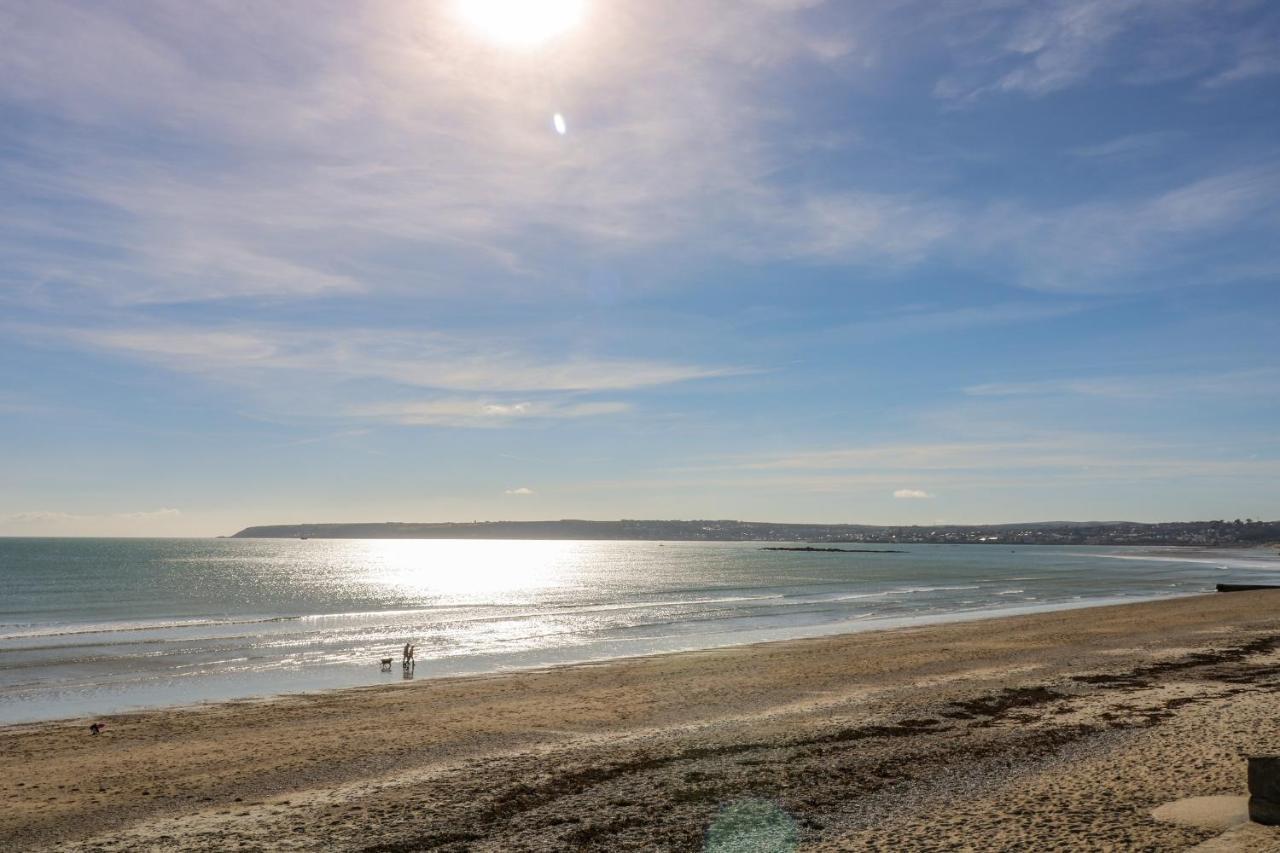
[1238, 532]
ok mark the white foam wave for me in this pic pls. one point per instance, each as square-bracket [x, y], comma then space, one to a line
[15, 632]
[908, 590]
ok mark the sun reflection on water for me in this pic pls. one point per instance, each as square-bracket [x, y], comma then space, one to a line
[464, 571]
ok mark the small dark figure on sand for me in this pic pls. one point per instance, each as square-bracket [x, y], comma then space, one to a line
[95, 728]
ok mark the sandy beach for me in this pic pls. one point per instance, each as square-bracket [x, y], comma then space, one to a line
[1054, 731]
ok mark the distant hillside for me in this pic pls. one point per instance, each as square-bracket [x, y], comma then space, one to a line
[1221, 532]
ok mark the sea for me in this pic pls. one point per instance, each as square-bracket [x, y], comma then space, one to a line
[97, 626]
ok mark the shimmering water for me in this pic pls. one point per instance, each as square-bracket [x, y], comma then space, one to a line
[89, 626]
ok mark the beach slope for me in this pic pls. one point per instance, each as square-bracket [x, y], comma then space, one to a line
[1054, 731]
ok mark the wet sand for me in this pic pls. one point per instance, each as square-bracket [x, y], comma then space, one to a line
[1054, 731]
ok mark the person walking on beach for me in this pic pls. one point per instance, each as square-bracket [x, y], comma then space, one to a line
[408, 654]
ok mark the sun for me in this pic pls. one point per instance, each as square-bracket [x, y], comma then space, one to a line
[521, 23]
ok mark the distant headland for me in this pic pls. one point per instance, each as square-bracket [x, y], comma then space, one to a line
[1203, 533]
[837, 550]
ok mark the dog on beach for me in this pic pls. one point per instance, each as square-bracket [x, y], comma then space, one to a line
[386, 664]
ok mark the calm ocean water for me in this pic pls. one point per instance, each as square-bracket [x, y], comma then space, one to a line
[91, 626]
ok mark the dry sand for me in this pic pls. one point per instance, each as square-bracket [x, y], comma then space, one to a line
[1057, 731]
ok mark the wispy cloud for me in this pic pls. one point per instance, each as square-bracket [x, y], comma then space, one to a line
[1062, 43]
[379, 131]
[1128, 146]
[865, 227]
[384, 150]
[1102, 387]
[1065, 457]
[1021, 476]
[482, 413]
[1187, 235]
[911, 494]
[1038, 48]
[1261, 381]
[1255, 54]
[414, 359]
[1165, 238]
[520, 492]
[929, 456]
[378, 376]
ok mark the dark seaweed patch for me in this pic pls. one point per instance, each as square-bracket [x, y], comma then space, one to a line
[997, 704]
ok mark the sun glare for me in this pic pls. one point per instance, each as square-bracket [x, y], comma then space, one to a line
[459, 570]
[521, 23]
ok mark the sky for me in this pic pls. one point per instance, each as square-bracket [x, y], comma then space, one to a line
[946, 261]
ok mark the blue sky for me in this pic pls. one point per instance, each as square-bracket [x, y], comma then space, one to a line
[790, 260]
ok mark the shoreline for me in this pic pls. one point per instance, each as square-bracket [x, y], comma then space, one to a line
[1036, 728]
[799, 634]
